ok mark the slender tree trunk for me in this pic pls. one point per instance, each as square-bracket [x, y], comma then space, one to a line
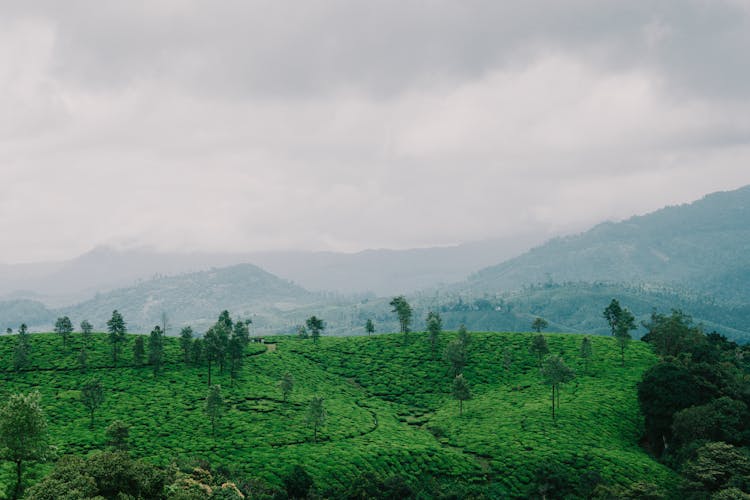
[622, 355]
[315, 433]
[18, 490]
[209, 372]
[213, 427]
[460, 407]
[91, 423]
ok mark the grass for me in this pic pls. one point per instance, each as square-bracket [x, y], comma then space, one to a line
[389, 409]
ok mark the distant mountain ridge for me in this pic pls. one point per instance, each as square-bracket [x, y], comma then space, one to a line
[383, 272]
[704, 246]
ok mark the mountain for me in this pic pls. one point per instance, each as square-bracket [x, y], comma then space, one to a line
[383, 272]
[703, 246]
[196, 298]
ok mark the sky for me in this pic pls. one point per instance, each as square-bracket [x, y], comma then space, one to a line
[345, 125]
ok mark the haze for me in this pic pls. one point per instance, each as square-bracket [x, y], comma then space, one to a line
[246, 126]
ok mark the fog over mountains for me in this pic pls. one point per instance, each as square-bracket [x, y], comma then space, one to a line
[693, 256]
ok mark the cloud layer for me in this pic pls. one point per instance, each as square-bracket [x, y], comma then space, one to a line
[347, 125]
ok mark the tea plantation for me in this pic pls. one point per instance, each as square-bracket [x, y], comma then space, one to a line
[388, 403]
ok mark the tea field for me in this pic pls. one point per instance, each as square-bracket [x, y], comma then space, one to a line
[388, 403]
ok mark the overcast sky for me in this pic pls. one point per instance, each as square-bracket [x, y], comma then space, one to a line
[344, 125]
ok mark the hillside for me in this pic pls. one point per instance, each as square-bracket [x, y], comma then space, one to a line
[389, 412]
[703, 246]
[197, 298]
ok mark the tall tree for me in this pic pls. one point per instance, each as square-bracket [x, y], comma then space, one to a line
[212, 348]
[214, 406]
[625, 325]
[165, 326]
[64, 327]
[196, 352]
[673, 334]
[455, 354]
[237, 344]
[434, 325]
[586, 352]
[139, 350]
[403, 311]
[92, 397]
[22, 351]
[186, 341]
[23, 433]
[315, 326]
[539, 324]
[461, 391]
[369, 327]
[156, 349]
[117, 329]
[316, 415]
[612, 313]
[539, 347]
[556, 373]
[287, 385]
[86, 329]
[463, 336]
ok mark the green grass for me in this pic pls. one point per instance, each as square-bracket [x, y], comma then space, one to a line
[388, 404]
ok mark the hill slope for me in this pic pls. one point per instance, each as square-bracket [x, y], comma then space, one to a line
[197, 298]
[389, 411]
[704, 246]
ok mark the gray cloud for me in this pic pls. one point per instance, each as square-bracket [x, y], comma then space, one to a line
[345, 125]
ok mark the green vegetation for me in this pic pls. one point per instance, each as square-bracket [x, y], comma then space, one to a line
[389, 422]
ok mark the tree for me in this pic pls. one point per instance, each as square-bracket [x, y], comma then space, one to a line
[673, 334]
[86, 329]
[612, 314]
[9, 330]
[455, 354]
[461, 392]
[715, 467]
[118, 435]
[211, 348]
[164, 322]
[92, 397]
[463, 336]
[139, 350]
[556, 373]
[83, 359]
[369, 327]
[196, 352]
[156, 349]
[403, 311]
[214, 406]
[539, 324]
[622, 333]
[434, 329]
[117, 329]
[23, 433]
[237, 344]
[316, 415]
[297, 483]
[186, 340]
[64, 327]
[315, 326]
[539, 347]
[287, 385]
[586, 352]
[22, 351]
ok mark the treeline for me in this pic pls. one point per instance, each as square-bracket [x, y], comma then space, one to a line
[696, 406]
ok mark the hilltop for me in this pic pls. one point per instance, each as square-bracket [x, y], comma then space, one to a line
[390, 413]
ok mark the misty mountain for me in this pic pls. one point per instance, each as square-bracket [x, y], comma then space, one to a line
[703, 246]
[197, 299]
[382, 272]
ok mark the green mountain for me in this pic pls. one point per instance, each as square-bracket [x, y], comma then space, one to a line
[703, 246]
[390, 414]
